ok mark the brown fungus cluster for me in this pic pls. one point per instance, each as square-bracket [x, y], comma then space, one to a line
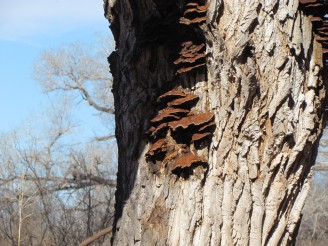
[177, 132]
[193, 49]
[179, 137]
[190, 57]
[318, 9]
[195, 13]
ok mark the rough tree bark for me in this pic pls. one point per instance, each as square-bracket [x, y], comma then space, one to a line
[259, 78]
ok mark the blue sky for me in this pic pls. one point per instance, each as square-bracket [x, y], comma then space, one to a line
[27, 28]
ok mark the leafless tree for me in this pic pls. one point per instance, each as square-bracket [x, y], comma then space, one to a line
[80, 71]
[69, 185]
[314, 225]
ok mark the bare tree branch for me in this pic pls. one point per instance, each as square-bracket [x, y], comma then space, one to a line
[105, 138]
[70, 69]
[93, 238]
[321, 168]
[92, 103]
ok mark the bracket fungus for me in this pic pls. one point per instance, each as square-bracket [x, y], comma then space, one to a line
[158, 132]
[185, 165]
[307, 1]
[185, 102]
[178, 104]
[317, 9]
[195, 7]
[194, 13]
[176, 127]
[314, 7]
[208, 127]
[170, 95]
[192, 121]
[169, 114]
[197, 20]
[157, 150]
[200, 136]
[187, 160]
[186, 128]
[191, 56]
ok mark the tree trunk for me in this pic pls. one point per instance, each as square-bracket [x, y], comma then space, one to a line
[254, 68]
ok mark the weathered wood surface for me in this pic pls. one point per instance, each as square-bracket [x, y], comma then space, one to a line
[262, 80]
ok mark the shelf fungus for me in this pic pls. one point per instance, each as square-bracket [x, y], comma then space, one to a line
[170, 96]
[317, 9]
[325, 51]
[185, 165]
[158, 132]
[193, 121]
[196, 8]
[194, 13]
[308, 1]
[200, 136]
[178, 105]
[174, 130]
[208, 127]
[191, 56]
[204, 134]
[313, 3]
[197, 20]
[186, 102]
[169, 114]
[157, 151]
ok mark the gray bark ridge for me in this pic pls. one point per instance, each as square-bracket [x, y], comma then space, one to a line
[263, 83]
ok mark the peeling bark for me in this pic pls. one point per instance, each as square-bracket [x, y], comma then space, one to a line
[260, 76]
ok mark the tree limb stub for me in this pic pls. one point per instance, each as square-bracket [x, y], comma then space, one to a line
[95, 237]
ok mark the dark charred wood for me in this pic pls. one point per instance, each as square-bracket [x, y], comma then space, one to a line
[165, 7]
[158, 30]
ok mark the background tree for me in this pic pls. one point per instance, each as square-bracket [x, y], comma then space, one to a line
[62, 184]
[79, 71]
[69, 185]
[256, 69]
[314, 229]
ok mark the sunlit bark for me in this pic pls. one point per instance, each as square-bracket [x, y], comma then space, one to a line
[262, 81]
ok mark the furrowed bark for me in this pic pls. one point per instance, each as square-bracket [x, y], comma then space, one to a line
[262, 82]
